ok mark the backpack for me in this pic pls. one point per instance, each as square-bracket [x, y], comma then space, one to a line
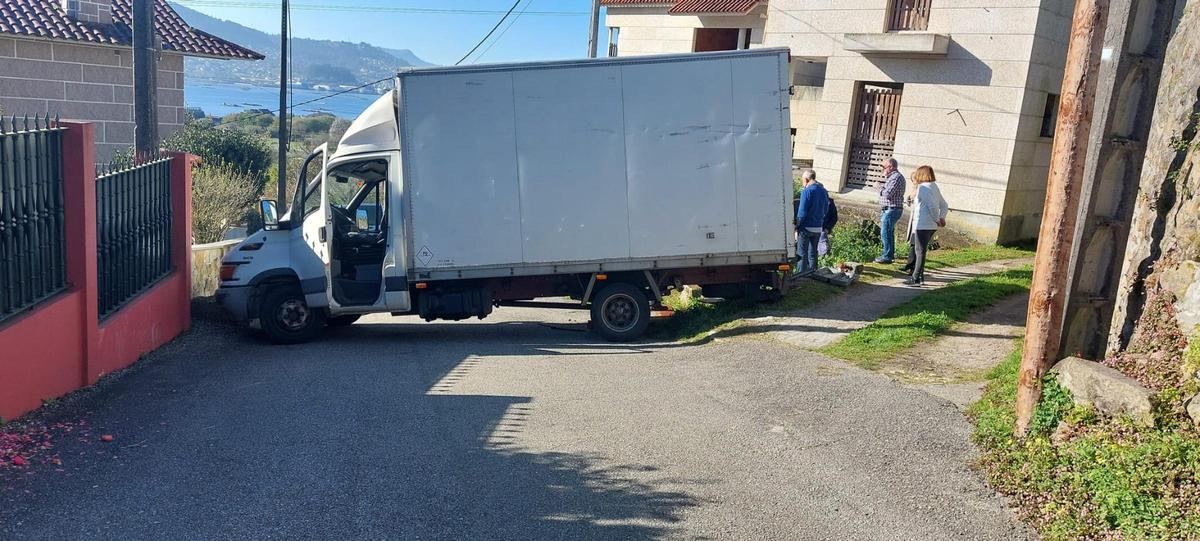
[831, 216]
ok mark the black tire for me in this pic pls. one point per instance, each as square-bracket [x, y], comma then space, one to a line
[342, 321]
[286, 318]
[620, 312]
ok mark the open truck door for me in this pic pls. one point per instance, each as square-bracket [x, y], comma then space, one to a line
[317, 229]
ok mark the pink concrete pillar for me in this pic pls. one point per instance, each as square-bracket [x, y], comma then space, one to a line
[181, 228]
[79, 224]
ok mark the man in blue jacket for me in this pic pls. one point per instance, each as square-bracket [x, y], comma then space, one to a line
[810, 219]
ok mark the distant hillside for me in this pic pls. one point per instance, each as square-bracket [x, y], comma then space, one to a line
[410, 57]
[314, 62]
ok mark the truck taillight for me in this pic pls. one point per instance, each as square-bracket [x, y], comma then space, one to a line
[227, 272]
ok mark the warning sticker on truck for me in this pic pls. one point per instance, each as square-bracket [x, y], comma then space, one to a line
[424, 256]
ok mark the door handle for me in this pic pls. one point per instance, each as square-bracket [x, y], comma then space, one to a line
[321, 233]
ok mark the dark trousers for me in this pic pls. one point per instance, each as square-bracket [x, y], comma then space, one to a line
[918, 245]
[806, 248]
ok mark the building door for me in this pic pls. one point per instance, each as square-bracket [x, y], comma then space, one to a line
[716, 39]
[872, 132]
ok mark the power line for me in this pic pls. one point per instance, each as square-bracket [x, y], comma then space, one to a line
[377, 9]
[489, 34]
[505, 31]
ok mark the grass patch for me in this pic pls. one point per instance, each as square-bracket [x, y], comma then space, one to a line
[942, 259]
[695, 320]
[925, 317]
[1100, 478]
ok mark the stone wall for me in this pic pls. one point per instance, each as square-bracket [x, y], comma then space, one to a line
[1163, 252]
[85, 82]
[206, 266]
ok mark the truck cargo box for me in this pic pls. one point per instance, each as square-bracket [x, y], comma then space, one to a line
[667, 160]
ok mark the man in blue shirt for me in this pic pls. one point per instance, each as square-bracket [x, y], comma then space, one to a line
[810, 218]
[891, 201]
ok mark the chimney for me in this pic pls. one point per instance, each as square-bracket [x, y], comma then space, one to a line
[89, 11]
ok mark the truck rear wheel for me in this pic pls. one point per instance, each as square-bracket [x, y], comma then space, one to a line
[286, 318]
[620, 312]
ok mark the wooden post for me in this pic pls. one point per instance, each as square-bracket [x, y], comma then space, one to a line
[593, 29]
[145, 80]
[1048, 293]
[284, 136]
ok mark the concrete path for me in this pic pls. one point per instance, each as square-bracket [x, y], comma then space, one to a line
[955, 365]
[829, 321]
[504, 429]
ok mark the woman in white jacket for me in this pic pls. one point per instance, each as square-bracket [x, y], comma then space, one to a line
[929, 210]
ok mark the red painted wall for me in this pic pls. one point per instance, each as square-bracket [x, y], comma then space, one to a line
[40, 353]
[60, 345]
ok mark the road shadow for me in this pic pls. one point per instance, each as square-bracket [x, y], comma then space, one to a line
[359, 435]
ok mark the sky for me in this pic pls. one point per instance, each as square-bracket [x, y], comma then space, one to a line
[441, 38]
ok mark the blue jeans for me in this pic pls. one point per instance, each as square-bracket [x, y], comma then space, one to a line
[887, 229]
[806, 249]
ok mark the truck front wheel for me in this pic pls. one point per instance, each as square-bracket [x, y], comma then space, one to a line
[620, 312]
[286, 318]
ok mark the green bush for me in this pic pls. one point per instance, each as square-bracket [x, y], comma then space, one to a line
[853, 243]
[250, 154]
[222, 196]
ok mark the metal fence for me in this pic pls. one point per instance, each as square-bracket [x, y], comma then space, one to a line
[133, 231]
[32, 248]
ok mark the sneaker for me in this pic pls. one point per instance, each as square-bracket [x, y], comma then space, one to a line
[883, 261]
[913, 283]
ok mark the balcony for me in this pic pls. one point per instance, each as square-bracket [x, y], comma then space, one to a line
[906, 43]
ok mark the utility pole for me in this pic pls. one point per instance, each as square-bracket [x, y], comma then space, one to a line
[1051, 274]
[594, 29]
[281, 197]
[145, 80]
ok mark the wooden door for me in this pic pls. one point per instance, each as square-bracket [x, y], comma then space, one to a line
[872, 133]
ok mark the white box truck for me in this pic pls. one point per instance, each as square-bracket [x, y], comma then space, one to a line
[606, 181]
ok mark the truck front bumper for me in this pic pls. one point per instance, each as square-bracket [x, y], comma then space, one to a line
[235, 300]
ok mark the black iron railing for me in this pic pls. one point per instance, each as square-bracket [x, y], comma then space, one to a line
[133, 231]
[32, 247]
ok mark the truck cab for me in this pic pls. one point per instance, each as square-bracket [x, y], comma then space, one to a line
[334, 254]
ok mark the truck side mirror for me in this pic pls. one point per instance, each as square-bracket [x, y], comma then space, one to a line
[270, 217]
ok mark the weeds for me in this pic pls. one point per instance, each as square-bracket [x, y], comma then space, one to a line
[1098, 478]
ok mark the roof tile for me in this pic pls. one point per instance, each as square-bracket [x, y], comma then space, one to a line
[46, 19]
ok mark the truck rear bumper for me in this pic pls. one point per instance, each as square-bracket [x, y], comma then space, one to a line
[235, 300]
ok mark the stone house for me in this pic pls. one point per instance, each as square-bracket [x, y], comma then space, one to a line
[968, 87]
[73, 58]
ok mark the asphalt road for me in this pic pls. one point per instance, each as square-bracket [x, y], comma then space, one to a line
[504, 429]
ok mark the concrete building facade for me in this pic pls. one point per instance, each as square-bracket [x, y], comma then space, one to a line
[72, 58]
[966, 86]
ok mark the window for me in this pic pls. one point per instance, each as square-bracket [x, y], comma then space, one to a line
[716, 39]
[909, 15]
[614, 34]
[358, 190]
[1050, 116]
